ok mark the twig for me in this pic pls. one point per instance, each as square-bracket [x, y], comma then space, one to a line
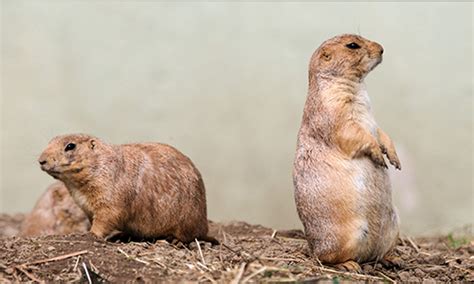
[29, 275]
[386, 277]
[229, 248]
[61, 257]
[131, 257]
[417, 249]
[200, 252]
[209, 278]
[247, 279]
[87, 272]
[239, 273]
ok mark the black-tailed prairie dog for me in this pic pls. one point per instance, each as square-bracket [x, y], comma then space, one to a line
[342, 190]
[55, 213]
[146, 190]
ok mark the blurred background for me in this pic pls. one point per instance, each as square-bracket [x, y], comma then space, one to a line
[226, 83]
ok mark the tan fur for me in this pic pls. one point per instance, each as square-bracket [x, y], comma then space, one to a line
[342, 190]
[147, 190]
[55, 213]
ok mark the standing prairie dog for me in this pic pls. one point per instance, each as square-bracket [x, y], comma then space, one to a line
[342, 190]
[147, 190]
[55, 213]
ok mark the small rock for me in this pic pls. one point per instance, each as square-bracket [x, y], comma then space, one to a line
[419, 272]
[9, 270]
[366, 268]
[429, 280]
[414, 279]
[51, 248]
[404, 276]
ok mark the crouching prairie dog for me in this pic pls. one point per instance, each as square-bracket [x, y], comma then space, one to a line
[55, 213]
[342, 189]
[146, 190]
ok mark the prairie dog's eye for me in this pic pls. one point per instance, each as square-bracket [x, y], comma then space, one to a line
[352, 45]
[69, 147]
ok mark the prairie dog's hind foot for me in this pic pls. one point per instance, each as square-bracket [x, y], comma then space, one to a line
[391, 260]
[349, 266]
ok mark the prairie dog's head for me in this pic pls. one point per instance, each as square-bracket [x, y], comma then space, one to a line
[69, 155]
[347, 56]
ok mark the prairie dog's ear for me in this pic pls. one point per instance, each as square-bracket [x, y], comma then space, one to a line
[325, 55]
[92, 144]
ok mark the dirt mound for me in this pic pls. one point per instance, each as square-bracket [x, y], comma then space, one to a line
[246, 253]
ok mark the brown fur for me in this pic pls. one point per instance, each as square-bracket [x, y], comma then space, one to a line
[147, 190]
[55, 213]
[342, 190]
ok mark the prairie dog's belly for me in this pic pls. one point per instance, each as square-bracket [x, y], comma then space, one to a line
[364, 112]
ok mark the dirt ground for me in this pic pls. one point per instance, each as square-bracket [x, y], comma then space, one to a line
[246, 253]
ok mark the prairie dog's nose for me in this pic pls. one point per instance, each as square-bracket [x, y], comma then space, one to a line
[379, 47]
[42, 162]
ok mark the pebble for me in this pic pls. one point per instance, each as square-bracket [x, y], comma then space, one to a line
[429, 281]
[404, 276]
[419, 272]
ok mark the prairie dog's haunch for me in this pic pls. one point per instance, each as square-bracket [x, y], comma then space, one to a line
[146, 190]
[342, 190]
[55, 213]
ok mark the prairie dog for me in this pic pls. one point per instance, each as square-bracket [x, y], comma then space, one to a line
[342, 189]
[146, 190]
[55, 213]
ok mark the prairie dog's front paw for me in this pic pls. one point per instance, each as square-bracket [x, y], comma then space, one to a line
[393, 158]
[376, 155]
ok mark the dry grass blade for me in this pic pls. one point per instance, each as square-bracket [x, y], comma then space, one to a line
[77, 263]
[24, 270]
[281, 259]
[253, 274]
[274, 233]
[240, 273]
[350, 274]
[412, 243]
[87, 272]
[209, 278]
[200, 252]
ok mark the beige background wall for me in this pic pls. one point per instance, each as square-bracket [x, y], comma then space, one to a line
[226, 83]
